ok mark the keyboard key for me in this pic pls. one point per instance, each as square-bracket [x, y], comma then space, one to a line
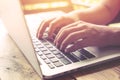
[35, 40]
[47, 61]
[37, 49]
[42, 40]
[82, 57]
[40, 53]
[51, 66]
[49, 46]
[46, 43]
[49, 56]
[59, 56]
[52, 49]
[43, 49]
[54, 60]
[40, 46]
[79, 55]
[71, 57]
[55, 52]
[58, 64]
[43, 57]
[46, 52]
[86, 53]
[65, 61]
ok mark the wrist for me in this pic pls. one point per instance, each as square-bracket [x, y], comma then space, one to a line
[115, 36]
[73, 16]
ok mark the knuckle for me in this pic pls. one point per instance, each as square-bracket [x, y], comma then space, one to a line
[64, 44]
[65, 31]
[85, 26]
[62, 17]
[71, 35]
[52, 24]
[58, 41]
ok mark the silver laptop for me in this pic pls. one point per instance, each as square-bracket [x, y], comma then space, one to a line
[43, 56]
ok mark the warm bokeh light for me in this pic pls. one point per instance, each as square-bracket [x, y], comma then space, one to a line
[46, 5]
[83, 4]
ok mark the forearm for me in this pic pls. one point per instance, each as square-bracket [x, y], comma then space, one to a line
[93, 16]
[101, 14]
[114, 38]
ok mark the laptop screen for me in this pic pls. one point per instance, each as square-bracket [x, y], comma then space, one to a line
[13, 18]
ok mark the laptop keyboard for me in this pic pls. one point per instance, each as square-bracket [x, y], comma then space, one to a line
[53, 57]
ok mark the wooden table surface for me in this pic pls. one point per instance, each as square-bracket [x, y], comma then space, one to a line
[13, 65]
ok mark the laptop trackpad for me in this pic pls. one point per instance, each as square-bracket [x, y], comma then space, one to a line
[99, 52]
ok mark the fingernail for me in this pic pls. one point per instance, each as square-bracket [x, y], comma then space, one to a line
[38, 35]
[66, 51]
[61, 49]
[49, 34]
[54, 41]
[56, 45]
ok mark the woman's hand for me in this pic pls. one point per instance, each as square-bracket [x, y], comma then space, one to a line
[82, 34]
[55, 24]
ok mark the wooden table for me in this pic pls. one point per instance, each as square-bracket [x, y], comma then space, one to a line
[13, 65]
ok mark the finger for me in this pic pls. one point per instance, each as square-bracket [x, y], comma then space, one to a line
[78, 45]
[64, 32]
[72, 38]
[66, 28]
[43, 27]
[58, 24]
[69, 26]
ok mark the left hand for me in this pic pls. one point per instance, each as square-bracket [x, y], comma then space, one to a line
[82, 34]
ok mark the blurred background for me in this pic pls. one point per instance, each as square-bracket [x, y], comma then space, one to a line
[35, 6]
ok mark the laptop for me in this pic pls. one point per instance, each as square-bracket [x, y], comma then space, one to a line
[44, 57]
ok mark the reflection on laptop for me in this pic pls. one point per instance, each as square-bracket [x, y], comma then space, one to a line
[44, 57]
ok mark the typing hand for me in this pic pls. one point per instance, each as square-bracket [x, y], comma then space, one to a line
[82, 34]
[54, 25]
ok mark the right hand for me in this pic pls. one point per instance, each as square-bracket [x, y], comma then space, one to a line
[54, 24]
